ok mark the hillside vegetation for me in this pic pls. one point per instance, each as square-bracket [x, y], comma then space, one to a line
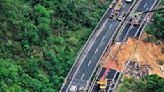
[156, 28]
[39, 40]
[150, 83]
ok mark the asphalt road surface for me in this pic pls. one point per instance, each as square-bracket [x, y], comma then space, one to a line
[134, 31]
[128, 31]
[83, 71]
[112, 77]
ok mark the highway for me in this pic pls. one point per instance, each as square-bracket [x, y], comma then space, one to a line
[128, 31]
[134, 31]
[81, 73]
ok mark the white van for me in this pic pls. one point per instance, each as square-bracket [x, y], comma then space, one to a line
[129, 1]
[73, 88]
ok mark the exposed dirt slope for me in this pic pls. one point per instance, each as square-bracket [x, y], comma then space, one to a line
[146, 53]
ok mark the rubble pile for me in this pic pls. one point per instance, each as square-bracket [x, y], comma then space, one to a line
[137, 70]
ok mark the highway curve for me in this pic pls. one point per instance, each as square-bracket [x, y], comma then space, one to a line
[129, 31]
[82, 72]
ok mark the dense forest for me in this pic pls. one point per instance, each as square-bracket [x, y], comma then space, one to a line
[39, 40]
[151, 83]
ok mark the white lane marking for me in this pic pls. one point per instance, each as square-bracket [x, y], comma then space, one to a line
[139, 16]
[106, 32]
[144, 19]
[82, 76]
[112, 10]
[95, 37]
[96, 50]
[98, 33]
[137, 31]
[109, 44]
[124, 5]
[85, 56]
[126, 36]
[110, 86]
[89, 62]
[110, 26]
[103, 38]
[145, 5]
[101, 27]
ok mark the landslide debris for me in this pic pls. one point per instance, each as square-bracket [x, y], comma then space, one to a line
[143, 53]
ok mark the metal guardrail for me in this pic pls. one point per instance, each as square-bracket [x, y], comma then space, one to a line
[84, 47]
[113, 36]
[118, 29]
[109, 43]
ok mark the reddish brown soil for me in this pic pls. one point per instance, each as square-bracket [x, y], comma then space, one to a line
[145, 53]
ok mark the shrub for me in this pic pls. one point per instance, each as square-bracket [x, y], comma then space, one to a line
[157, 42]
[161, 62]
[162, 50]
[146, 40]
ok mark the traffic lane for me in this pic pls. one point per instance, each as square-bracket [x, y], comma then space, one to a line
[105, 17]
[75, 68]
[135, 32]
[148, 7]
[83, 68]
[139, 32]
[90, 55]
[113, 82]
[110, 76]
[113, 6]
[125, 8]
[144, 5]
[100, 48]
[132, 31]
[115, 24]
[101, 73]
[118, 74]
[109, 34]
[83, 65]
[109, 11]
[123, 33]
[95, 88]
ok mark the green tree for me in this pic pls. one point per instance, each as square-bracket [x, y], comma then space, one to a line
[39, 40]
